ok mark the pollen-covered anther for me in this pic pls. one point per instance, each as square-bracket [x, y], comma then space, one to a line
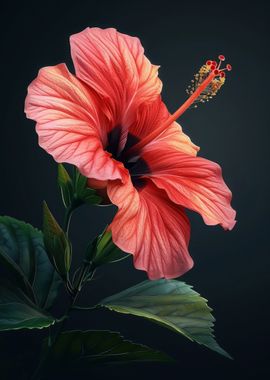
[210, 72]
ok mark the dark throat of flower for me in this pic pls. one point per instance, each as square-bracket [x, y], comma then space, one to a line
[136, 166]
[205, 85]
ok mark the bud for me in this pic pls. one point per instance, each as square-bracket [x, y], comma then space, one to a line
[57, 245]
[103, 250]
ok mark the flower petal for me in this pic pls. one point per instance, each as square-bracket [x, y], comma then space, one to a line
[192, 182]
[114, 65]
[68, 122]
[151, 117]
[152, 228]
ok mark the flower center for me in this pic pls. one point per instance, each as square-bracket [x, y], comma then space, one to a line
[136, 166]
[204, 86]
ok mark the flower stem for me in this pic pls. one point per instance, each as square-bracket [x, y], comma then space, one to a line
[67, 218]
[52, 339]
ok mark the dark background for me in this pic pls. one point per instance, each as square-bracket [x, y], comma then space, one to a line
[231, 268]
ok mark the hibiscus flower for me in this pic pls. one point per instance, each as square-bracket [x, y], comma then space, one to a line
[110, 122]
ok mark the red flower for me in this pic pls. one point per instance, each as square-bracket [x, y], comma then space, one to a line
[109, 121]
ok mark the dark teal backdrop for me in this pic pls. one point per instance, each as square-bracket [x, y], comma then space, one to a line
[231, 268]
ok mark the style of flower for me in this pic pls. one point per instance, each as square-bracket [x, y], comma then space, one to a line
[110, 122]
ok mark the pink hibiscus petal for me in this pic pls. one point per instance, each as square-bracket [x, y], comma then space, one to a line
[152, 228]
[193, 182]
[114, 65]
[151, 117]
[69, 122]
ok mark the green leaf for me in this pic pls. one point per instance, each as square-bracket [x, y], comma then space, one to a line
[65, 184]
[172, 304]
[12, 270]
[104, 251]
[56, 242]
[25, 262]
[18, 312]
[28, 280]
[93, 346]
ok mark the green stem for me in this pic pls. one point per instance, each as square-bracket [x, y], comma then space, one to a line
[52, 339]
[85, 271]
[67, 218]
